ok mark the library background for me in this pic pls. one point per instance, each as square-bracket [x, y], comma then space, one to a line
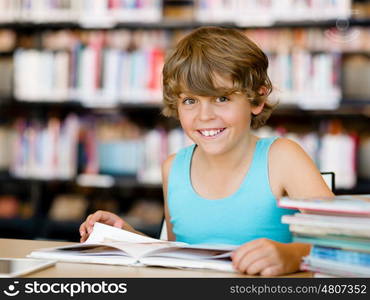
[80, 100]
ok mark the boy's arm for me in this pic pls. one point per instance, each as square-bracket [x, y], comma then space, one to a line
[166, 166]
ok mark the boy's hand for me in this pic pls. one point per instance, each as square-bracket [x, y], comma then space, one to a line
[269, 258]
[104, 217]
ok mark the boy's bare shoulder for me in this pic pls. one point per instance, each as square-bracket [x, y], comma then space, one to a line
[294, 172]
[285, 145]
[286, 151]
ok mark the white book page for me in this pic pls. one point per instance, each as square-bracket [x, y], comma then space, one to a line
[331, 219]
[220, 265]
[346, 204]
[93, 259]
[193, 254]
[326, 221]
[102, 232]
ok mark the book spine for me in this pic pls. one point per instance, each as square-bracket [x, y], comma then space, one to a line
[343, 256]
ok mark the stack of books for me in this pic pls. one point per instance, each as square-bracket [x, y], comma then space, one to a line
[338, 229]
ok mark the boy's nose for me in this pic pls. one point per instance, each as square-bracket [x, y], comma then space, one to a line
[206, 111]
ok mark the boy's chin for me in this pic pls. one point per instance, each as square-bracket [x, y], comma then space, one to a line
[212, 149]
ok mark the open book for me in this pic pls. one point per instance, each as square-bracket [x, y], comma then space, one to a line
[111, 245]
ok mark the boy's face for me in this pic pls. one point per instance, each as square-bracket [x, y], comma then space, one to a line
[217, 124]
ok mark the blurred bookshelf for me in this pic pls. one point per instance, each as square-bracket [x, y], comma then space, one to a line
[82, 134]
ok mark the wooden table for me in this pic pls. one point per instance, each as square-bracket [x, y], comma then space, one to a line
[20, 248]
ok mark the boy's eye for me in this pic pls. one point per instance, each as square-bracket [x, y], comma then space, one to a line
[188, 101]
[222, 99]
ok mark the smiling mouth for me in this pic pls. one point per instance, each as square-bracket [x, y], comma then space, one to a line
[211, 132]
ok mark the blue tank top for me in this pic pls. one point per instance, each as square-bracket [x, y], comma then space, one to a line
[249, 213]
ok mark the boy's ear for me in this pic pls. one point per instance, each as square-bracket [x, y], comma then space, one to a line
[256, 109]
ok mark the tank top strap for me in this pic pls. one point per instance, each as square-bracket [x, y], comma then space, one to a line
[263, 147]
[179, 176]
[259, 170]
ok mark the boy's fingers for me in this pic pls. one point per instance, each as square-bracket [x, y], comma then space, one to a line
[258, 266]
[248, 259]
[119, 223]
[272, 271]
[105, 217]
[99, 216]
[91, 219]
[83, 232]
[240, 252]
[82, 229]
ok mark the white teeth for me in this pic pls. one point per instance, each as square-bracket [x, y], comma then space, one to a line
[210, 132]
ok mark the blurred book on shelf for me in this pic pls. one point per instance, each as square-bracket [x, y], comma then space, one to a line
[120, 157]
[144, 212]
[104, 201]
[14, 203]
[6, 79]
[361, 9]
[119, 146]
[356, 72]
[364, 157]
[5, 148]
[337, 227]
[180, 10]
[9, 206]
[338, 154]
[7, 40]
[68, 207]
